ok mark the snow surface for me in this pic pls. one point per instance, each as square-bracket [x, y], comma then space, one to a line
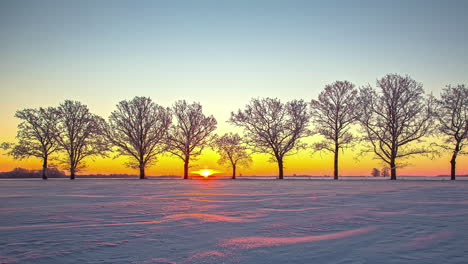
[224, 221]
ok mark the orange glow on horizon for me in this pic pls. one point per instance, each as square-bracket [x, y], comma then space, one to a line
[302, 163]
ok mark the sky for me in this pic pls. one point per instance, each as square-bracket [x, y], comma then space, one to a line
[222, 54]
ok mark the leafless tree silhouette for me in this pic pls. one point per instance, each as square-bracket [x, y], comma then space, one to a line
[394, 117]
[333, 114]
[385, 171]
[452, 114]
[190, 133]
[80, 134]
[232, 151]
[375, 172]
[274, 128]
[138, 129]
[36, 135]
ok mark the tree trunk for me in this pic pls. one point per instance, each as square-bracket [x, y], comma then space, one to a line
[233, 172]
[142, 172]
[44, 169]
[452, 169]
[280, 168]
[186, 166]
[392, 169]
[335, 169]
[453, 163]
[72, 173]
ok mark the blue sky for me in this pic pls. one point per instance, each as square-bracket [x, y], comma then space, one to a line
[221, 52]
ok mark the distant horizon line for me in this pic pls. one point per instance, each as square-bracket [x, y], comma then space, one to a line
[123, 175]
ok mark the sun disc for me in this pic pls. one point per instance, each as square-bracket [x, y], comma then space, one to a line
[205, 173]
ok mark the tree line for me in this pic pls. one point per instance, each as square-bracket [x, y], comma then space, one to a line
[390, 120]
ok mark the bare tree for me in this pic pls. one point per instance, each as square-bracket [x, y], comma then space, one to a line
[394, 117]
[232, 151]
[333, 114]
[191, 133]
[385, 171]
[36, 136]
[274, 128]
[80, 134]
[375, 172]
[138, 129]
[452, 114]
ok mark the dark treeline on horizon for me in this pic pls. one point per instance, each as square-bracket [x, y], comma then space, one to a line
[394, 119]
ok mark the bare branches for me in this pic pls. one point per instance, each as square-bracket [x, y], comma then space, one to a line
[394, 117]
[191, 132]
[452, 114]
[36, 135]
[138, 129]
[6, 145]
[79, 134]
[232, 151]
[274, 128]
[333, 114]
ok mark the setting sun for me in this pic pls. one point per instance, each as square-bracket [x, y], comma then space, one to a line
[205, 172]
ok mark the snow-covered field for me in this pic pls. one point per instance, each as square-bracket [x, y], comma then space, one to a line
[224, 221]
